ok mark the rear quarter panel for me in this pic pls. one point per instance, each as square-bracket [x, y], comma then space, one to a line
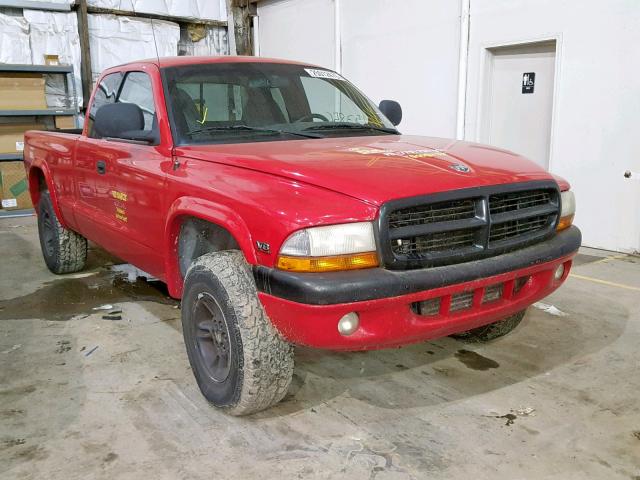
[51, 154]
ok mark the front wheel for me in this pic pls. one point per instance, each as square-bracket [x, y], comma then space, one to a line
[492, 331]
[239, 359]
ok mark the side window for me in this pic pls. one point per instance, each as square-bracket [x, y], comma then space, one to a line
[106, 92]
[137, 89]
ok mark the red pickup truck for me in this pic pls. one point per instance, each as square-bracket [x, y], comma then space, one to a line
[284, 208]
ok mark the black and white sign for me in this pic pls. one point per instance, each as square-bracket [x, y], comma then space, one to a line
[528, 82]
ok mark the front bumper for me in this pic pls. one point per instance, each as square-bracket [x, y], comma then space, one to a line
[306, 307]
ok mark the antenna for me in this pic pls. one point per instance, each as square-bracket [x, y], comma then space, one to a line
[155, 43]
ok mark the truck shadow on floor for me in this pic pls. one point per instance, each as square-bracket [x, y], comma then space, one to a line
[447, 370]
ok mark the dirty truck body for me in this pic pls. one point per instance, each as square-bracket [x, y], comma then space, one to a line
[284, 209]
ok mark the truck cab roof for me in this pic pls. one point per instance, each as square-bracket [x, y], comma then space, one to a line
[164, 62]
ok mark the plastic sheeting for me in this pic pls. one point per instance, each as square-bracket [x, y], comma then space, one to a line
[201, 9]
[115, 40]
[55, 34]
[14, 40]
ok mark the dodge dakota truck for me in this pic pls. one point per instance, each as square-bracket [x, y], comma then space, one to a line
[284, 208]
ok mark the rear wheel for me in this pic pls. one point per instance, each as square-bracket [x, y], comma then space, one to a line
[240, 361]
[492, 331]
[64, 250]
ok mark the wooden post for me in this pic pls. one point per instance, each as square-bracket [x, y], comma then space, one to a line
[239, 26]
[85, 52]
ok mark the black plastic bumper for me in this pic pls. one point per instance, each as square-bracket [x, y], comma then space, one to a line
[374, 283]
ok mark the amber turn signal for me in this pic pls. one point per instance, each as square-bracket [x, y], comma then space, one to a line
[565, 222]
[328, 264]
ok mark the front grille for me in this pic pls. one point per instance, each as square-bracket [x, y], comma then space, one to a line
[455, 227]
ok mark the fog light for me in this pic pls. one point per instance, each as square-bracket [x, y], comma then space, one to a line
[349, 323]
[559, 272]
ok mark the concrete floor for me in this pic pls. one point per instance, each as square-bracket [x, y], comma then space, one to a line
[84, 397]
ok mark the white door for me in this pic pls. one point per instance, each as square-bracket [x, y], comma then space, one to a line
[518, 100]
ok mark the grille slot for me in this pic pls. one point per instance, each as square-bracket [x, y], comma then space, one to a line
[520, 283]
[461, 301]
[436, 242]
[455, 227]
[437, 212]
[428, 308]
[493, 293]
[508, 202]
[515, 228]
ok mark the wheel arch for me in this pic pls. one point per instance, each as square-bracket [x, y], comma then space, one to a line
[39, 180]
[209, 227]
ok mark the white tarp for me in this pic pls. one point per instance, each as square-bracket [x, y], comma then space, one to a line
[115, 40]
[14, 40]
[55, 34]
[197, 9]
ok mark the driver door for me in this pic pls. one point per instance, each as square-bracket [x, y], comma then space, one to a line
[122, 199]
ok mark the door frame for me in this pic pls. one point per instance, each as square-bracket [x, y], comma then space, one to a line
[485, 71]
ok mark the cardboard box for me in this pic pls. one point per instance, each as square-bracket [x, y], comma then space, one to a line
[22, 91]
[12, 136]
[14, 186]
[51, 59]
[65, 121]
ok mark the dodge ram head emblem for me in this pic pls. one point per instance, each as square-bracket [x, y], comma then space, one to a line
[458, 167]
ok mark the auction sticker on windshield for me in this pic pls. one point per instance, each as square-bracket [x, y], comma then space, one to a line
[323, 74]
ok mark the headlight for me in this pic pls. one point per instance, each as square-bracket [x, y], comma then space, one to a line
[568, 201]
[335, 247]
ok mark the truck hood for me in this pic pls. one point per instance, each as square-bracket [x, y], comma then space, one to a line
[376, 169]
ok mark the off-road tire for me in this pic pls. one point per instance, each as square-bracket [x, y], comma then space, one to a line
[492, 331]
[64, 250]
[260, 361]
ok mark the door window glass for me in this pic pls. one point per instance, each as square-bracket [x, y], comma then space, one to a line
[106, 92]
[137, 89]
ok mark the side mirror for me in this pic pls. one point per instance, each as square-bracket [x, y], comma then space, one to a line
[121, 120]
[392, 110]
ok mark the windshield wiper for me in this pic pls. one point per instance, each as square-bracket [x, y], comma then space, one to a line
[273, 131]
[357, 126]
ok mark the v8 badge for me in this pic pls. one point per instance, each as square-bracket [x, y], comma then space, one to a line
[263, 247]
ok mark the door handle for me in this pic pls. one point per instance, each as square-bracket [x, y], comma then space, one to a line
[101, 167]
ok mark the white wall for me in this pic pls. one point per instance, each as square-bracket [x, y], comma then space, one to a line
[401, 50]
[406, 51]
[595, 135]
[298, 30]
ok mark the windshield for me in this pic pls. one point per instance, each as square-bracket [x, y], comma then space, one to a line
[249, 102]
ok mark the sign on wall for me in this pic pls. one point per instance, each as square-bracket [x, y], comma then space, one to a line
[528, 82]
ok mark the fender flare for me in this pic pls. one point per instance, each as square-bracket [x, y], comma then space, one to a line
[210, 212]
[34, 190]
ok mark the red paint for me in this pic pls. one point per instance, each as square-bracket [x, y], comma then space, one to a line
[259, 192]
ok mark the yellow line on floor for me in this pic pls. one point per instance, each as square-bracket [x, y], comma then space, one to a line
[604, 282]
[606, 259]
